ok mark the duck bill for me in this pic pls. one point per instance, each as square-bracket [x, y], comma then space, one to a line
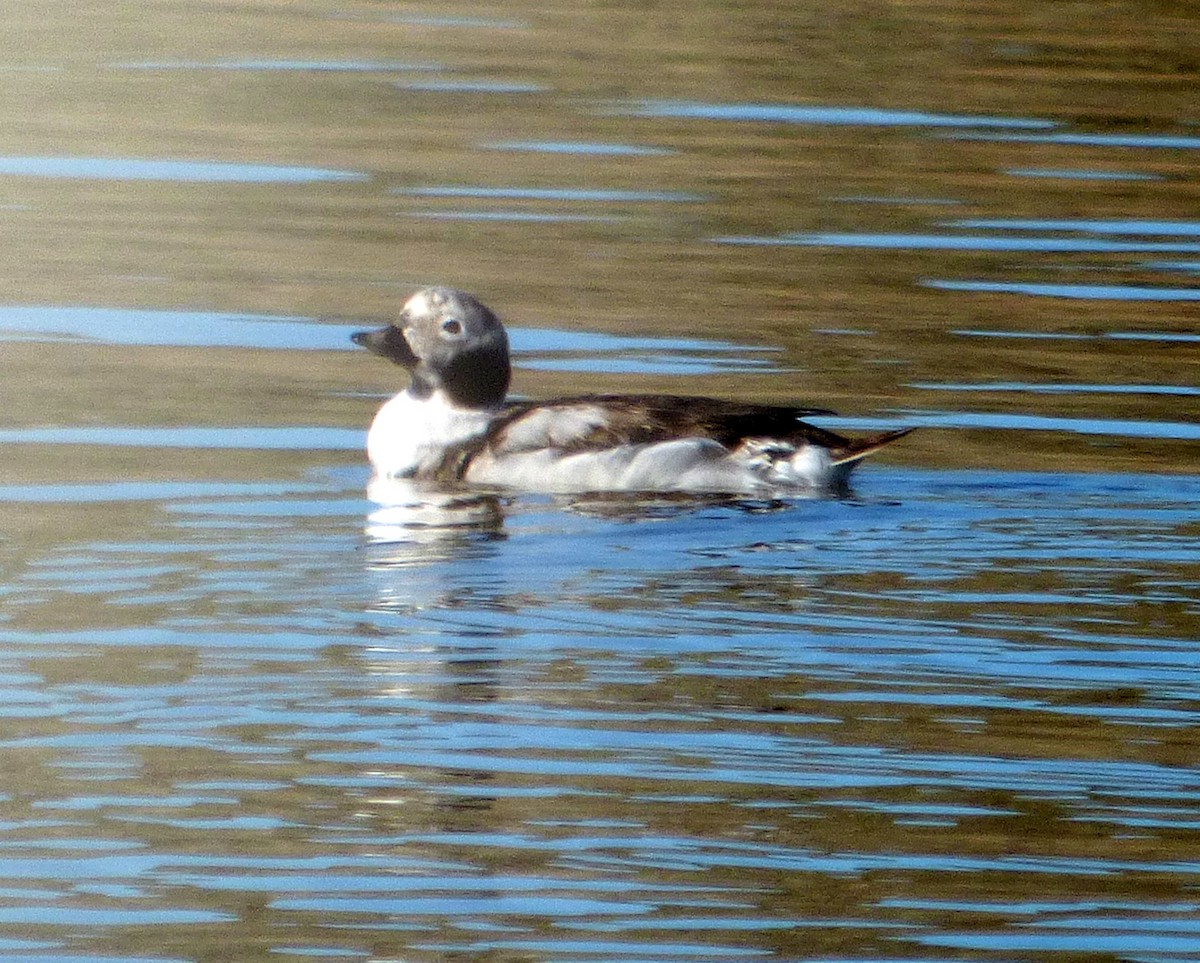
[387, 342]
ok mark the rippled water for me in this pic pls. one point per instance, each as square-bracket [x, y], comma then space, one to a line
[258, 707]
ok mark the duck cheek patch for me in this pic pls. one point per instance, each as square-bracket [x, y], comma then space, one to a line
[474, 379]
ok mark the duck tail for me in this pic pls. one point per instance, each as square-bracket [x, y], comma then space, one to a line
[858, 449]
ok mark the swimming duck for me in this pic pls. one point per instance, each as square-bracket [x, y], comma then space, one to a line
[453, 423]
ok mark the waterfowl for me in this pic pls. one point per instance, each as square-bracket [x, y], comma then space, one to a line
[453, 423]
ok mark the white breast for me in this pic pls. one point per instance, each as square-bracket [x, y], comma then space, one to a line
[410, 436]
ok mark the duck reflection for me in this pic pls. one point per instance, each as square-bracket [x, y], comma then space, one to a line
[418, 533]
[432, 548]
[415, 522]
[478, 596]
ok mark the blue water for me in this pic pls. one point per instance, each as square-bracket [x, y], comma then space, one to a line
[649, 720]
[155, 169]
[968, 242]
[258, 706]
[544, 349]
[796, 114]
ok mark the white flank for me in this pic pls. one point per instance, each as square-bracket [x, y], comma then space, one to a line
[685, 464]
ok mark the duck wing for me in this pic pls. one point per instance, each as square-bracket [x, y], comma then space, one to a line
[691, 442]
[595, 422]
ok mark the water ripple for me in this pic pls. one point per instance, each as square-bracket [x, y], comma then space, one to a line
[815, 114]
[1165, 336]
[960, 242]
[1005, 421]
[1133, 226]
[517, 217]
[1073, 174]
[585, 148]
[1058, 389]
[456, 86]
[1137, 141]
[261, 437]
[552, 194]
[143, 169]
[1090, 292]
[534, 348]
[288, 66]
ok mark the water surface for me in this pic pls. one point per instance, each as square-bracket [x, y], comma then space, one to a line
[258, 706]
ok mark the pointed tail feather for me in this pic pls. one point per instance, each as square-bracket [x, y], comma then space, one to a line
[858, 449]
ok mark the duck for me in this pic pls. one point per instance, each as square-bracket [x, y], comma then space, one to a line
[455, 424]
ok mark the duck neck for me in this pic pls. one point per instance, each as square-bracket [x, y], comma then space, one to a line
[472, 382]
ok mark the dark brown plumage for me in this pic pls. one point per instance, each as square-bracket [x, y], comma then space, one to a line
[645, 419]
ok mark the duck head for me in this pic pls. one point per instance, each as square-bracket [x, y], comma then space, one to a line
[449, 341]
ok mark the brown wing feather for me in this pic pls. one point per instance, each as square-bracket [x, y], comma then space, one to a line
[641, 419]
[645, 419]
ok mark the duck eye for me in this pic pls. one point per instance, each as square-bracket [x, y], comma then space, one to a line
[452, 327]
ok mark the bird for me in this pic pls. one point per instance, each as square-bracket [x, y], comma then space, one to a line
[455, 425]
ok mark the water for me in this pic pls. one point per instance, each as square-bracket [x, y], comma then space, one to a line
[256, 708]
